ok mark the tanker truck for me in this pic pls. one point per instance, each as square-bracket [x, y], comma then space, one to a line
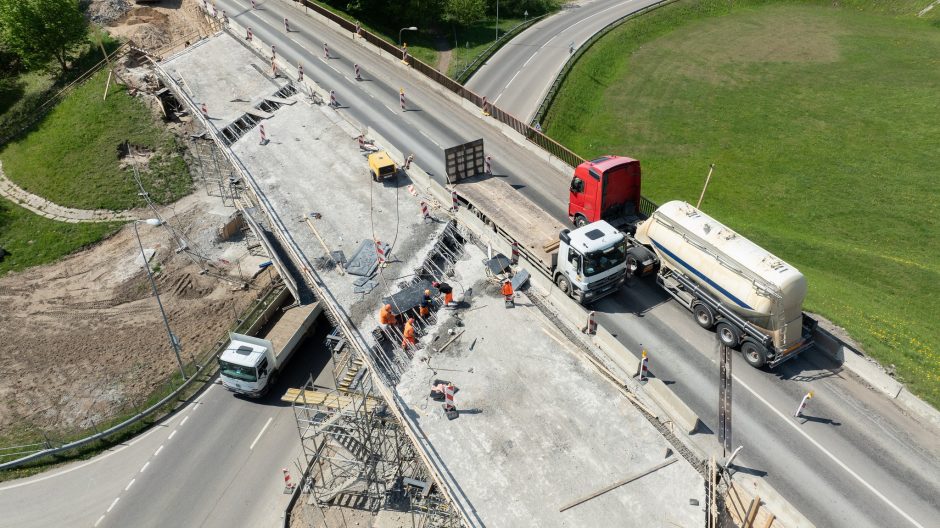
[752, 299]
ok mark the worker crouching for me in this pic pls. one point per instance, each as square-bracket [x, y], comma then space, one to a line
[386, 316]
[508, 294]
[447, 290]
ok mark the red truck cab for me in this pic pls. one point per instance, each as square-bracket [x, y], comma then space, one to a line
[606, 188]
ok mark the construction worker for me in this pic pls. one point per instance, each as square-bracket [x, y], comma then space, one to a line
[409, 334]
[447, 290]
[508, 294]
[386, 316]
[425, 309]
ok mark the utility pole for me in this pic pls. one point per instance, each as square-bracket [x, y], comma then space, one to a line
[707, 179]
[724, 398]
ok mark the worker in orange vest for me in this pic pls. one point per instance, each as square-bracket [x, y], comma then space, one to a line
[386, 316]
[409, 333]
[508, 293]
[447, 290]
[425, 309]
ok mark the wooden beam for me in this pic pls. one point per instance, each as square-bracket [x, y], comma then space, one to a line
[619, 483]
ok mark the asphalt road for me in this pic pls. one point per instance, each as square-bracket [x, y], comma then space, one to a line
[517, 77]
[214, 463]
[857, 461]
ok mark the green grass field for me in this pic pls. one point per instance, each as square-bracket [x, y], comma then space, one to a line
[822, 122]
[31, 239]
[71, 156]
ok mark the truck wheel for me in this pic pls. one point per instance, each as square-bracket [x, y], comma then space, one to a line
[375, 176]
[728, 334]
[580, 221]
[754, 354]
[633, 265]
[563, 285]
[704, 316]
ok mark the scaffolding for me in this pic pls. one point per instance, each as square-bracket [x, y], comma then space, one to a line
[359, 458]
[357, 453]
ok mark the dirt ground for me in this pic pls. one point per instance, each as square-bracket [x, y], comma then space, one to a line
[83, 338]
[151, 26]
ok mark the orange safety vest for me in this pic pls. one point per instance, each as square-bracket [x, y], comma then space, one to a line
[507, 289]
[409, 336]
[387, 317]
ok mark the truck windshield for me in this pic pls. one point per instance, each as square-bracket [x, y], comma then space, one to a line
[600, 261]
[237, 371]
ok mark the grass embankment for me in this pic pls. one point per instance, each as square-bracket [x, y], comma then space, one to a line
[474, 39]
[822, 122]
[31, 239]
[71, 158]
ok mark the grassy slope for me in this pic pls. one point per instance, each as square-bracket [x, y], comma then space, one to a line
[822, 122]
[32, 240]
[71, 157]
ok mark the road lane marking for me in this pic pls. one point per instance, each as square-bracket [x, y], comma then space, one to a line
[184, 421]
[507, 86]
[530, 58]
[425, 134]
[113, 504]
[129, 484]
[158, 450]
[99, 520]
[263, 429]
[145, 467]
[171, 435]
[832, 457]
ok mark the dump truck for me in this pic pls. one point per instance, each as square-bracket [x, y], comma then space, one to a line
[608, 188]
[586, 263]
[751, 298]
[250, 365]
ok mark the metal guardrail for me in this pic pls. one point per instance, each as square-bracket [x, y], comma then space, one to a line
[471, 68]
[49, 451]
[566, 69]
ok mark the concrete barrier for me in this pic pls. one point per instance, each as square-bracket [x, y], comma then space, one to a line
[682, 416]
[857, 363]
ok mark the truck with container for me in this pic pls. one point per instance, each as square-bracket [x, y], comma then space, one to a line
[250, 365]
[752, 299]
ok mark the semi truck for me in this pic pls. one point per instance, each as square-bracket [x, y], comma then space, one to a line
[752, 299]
[250, 365]
[587, 263]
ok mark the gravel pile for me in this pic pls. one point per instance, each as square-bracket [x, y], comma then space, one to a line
[107, 11]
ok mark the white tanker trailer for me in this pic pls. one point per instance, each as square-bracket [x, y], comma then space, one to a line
[751, 298]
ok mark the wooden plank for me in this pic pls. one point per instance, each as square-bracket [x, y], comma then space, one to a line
[324, 399]
[619, 483]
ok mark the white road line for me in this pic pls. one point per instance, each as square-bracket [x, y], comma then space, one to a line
[203, 395]
[171, 435]
[129, 484]
[184, 421]
[832, 457]
[530, 58]
[507, 86]
[145, 467]
[99, 520]
[158, 450]
[263, 429]
[390, 109]
[113, 504]
[425, 134]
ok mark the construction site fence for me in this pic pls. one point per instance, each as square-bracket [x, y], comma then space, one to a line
[582, 49]
[250, 318]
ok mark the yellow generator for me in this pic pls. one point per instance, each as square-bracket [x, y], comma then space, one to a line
[381, 166]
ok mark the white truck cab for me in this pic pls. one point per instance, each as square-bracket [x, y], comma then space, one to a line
[246, 365]
[591, 261]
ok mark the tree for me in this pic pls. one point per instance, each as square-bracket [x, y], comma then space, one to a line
[41, 30]
[465, 12]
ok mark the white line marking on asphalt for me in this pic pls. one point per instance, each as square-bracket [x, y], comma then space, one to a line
[129, 484]
[841, 464]
[113, 504]
[145, 467]
[530, 58]
[425, 134]
[263, 429]
[171, 435]
[203, 395]
[158, 450]
[390, 109]
[184, 421]
[506, 87]
[99, 520]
